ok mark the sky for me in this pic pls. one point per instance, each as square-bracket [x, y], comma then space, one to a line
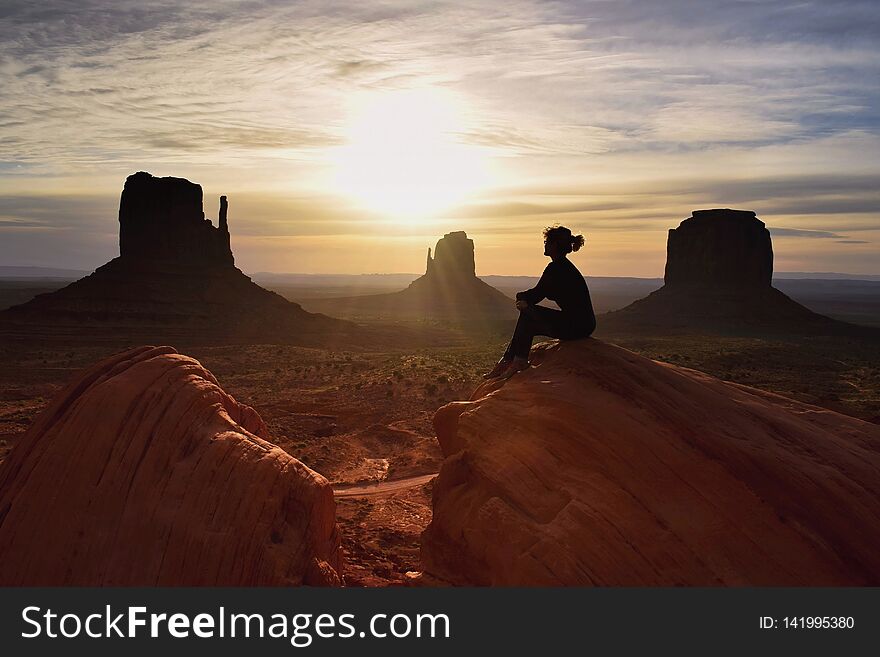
[350, 136]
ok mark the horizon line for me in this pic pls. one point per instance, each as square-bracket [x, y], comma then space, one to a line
[802, 274]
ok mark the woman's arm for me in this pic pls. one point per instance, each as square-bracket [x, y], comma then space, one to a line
[538, 292]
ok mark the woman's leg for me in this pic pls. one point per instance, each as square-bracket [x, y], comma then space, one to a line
[520, 334]
[517, 338]
[565, 326]
[533, 320]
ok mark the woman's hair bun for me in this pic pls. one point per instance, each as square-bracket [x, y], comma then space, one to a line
[562, 235]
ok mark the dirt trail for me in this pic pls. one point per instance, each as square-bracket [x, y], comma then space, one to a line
[381, 487]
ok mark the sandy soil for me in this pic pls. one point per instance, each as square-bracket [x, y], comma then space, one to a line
[381, 534]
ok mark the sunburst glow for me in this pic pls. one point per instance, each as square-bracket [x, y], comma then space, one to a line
[404, 156]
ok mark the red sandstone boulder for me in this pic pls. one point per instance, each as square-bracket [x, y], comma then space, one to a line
[600, 467]
[144, 472]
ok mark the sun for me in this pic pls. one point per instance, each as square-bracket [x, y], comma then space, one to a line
[404, 157]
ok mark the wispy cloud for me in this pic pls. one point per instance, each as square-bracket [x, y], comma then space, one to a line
[799, 232]
[623, 115]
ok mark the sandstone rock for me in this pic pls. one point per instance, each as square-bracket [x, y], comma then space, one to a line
[449, 290]
[600, 467]
[453, 257]
[162, 219]
[719, 265]
[450, 285]
[729, 248]
[174, 278]
[144, 472]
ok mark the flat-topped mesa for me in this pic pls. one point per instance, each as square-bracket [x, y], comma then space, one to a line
[162, 219]
[719, 248]
[719, 266]
[450, 282]
[175, 276]
[448, 291]
[453, 257]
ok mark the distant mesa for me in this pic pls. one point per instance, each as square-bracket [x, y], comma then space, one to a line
[453, 258]
[144, 472]
[448, 290]
[598, 467]
[719, 249]
[175, 276]
[450, 284]
[161, 219]
[719, 266]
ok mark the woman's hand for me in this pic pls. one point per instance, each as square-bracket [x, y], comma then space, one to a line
[521, 304]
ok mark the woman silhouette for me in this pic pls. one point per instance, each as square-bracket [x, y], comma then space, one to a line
[561, 282]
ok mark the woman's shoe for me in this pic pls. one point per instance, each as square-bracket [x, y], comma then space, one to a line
[518, 364]
[499, 369]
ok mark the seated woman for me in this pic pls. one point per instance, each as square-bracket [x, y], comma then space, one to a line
[561, 282]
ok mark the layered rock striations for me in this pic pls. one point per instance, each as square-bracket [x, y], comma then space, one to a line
[144, 472]
[600, 467]
[175, 276]
[719, 266]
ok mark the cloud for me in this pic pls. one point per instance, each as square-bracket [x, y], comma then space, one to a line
[518, 209]
[560, 78]
[798, 232]
[82, 213]
[623, 116]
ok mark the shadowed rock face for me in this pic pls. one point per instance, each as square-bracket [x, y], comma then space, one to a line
[144, 472]
[453, 258]
[719, 265]
[729, 248]
[162, 219]
[175, 277]
[450, 285]
[600, 467]
[448, 291]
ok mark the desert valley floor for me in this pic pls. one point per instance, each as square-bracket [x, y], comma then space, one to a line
[360, 417]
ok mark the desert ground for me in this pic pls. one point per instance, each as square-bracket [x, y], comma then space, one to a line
[354, 417]
[362, 418]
